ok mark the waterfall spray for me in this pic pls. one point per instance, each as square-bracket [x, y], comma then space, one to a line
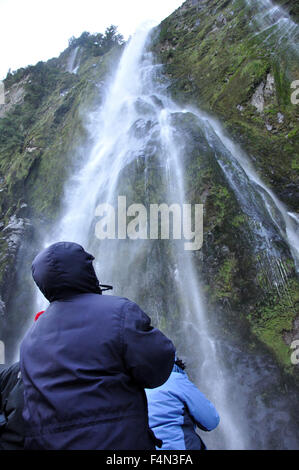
[134, 129]
[274, 24]
[135, 97]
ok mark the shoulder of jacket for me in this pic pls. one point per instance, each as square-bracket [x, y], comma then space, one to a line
[182, 381]
[127, 304]
[114, 298]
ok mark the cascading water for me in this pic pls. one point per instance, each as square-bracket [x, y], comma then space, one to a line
[72, 64]
[275, 25]
[257, 201]
[138, 151]
[280, 33]
[135, 102]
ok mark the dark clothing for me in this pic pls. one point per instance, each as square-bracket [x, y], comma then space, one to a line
[176, 408]
[11, 407]
[86, 361]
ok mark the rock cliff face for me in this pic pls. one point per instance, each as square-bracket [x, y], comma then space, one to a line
[237, 61]
[230, 67]
[291, 6]
[42, 133]
[219, 57]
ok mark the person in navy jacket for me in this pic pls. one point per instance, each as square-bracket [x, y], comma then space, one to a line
[87, 359]
[176, 408]
[11, 407]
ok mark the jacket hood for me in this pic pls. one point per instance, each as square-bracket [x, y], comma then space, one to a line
[64, 269]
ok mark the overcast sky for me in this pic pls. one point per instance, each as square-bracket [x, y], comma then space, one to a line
[33, 30]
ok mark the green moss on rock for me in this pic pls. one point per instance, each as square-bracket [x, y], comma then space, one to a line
[273, 317]
[214, 59]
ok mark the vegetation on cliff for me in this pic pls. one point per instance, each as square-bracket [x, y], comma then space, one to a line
[42, 133]
[215, 61]
[217, 57]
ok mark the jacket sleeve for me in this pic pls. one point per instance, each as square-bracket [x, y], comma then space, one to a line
[7, 381]
[4, 377]
[148, 353]
[200, 408]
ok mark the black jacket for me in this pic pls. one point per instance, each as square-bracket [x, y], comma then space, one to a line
[87, 359]
[11, 408]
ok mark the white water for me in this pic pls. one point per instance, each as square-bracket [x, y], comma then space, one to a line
[134, 97]
[73, 59]
[274, 23]
[282, 34]
[135, 120]
[248, 185]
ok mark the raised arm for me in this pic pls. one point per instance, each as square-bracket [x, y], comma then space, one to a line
[200, 408]
[148, 353]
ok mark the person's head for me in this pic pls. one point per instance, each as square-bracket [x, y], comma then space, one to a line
[64, 269]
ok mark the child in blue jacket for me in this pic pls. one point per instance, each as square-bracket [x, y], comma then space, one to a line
[176, 408]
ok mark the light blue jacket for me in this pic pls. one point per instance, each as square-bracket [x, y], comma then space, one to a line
[175, 408]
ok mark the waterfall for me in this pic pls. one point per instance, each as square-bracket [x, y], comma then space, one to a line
[275, 25]
[280, 33]
[138, 151]
[135, 122]
[256, 199]
[72, 60]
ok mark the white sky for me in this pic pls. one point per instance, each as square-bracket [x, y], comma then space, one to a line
[33, 30]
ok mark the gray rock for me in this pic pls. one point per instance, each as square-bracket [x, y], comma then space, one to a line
[14, 231]
[270, 86]
[13, 96]
[258, 100]
[14, 224]
[221, 19]
[31, 149]
[290, 336]
[263, 92]
[225, 250]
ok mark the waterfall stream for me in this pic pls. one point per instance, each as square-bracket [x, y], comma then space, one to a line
[256, 199]
[275, 25]
[72, 64]
[136, 131]
[134, 122]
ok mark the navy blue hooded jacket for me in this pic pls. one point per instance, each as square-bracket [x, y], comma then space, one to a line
[176, 408]
[86, 361]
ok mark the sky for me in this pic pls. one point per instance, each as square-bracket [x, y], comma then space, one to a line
[34, 30]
